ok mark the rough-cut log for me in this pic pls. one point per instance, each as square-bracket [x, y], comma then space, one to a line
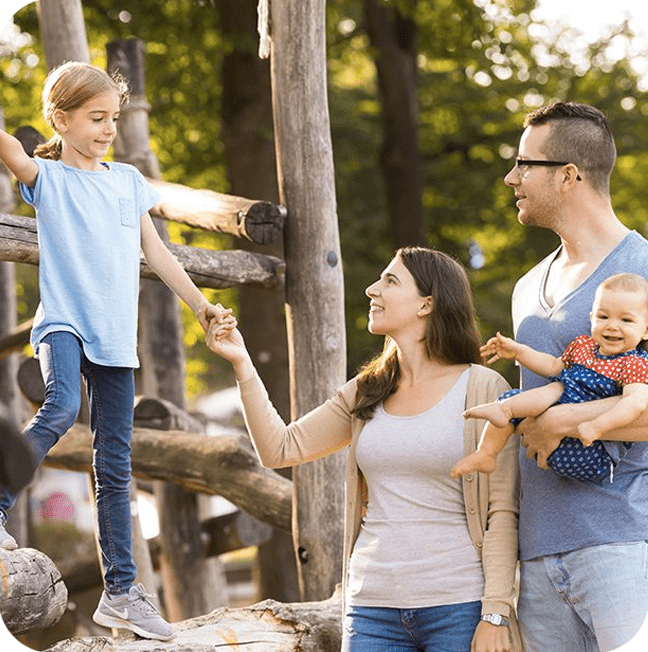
[32, 593]
[160, 414]
[225, 465]
[221, 534]
[258, 221]
[207, 268]
[267, 626]
[16, 339]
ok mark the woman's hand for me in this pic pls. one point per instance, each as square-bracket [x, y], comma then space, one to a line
[226, 340]
[491, 638]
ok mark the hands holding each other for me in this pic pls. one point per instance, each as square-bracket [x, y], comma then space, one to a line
[224, 339]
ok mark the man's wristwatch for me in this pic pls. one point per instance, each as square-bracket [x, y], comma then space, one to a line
[495, 619]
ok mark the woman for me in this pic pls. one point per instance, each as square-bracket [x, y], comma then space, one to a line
[429, 561]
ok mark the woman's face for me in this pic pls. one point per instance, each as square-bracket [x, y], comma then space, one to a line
[396, 305]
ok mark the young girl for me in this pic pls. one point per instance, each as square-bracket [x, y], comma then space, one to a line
[430, 564]
[604, 364]
[92, 220]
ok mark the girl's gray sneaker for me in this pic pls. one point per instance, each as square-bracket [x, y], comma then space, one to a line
[6, 540]
[133, 611]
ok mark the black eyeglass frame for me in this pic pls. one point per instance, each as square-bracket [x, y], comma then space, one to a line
[519, 162]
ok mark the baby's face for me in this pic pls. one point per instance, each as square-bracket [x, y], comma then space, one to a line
[619, 320]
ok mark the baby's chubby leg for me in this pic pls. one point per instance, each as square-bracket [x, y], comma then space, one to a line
[484, 459]
[498, 413]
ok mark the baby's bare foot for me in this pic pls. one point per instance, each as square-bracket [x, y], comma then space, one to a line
[493, 412]
[477, 461]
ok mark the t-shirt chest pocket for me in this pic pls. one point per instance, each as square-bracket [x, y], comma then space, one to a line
[127, 212]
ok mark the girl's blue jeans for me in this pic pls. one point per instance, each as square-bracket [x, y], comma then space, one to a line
[447, 628]
[111, 392]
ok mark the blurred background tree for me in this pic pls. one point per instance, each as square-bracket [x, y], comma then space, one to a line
[477, 67]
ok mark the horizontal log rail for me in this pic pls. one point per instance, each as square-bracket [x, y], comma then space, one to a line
[222, 465]
[207, 268]
[259, 221]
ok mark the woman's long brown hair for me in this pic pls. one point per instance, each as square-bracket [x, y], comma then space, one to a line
[451, 335]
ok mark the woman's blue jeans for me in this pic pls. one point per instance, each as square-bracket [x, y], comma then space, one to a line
[111, 392]
[447, 628]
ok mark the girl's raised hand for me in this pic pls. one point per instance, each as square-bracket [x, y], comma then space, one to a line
[499, 348]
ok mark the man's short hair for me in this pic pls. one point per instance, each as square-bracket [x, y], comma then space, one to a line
[580, 135]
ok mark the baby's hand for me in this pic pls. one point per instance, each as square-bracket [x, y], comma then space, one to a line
[499, 348]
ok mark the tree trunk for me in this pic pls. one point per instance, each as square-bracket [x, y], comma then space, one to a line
[268, 626]
[62, 31]
[32, 593]
[314, 283]
[252, 171]
[192, 586]
[393, 36]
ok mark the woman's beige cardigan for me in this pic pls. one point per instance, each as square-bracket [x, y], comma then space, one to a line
[491, 500]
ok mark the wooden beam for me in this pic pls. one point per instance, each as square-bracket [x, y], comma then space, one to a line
[259, 221]
[224, 466]
[207, 268]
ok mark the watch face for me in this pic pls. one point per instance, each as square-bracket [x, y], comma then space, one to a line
[494, 619]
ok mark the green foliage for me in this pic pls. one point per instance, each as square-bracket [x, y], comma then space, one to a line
[482, 66]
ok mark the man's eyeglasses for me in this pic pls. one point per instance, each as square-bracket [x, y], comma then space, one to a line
[522, 162]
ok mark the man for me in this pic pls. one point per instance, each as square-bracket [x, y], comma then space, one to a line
[583, 550]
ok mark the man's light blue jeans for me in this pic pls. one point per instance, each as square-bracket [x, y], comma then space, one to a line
[589, 600]
[448, 628]
[111, 392]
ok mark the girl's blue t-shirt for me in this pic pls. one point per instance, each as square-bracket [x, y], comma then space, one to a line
[89, 242]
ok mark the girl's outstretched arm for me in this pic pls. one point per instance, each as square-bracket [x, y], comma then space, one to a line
[167, 267]
[16, 159]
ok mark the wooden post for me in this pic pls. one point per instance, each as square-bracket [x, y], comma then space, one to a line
[314, 283]
[192, 586]
[62, 31]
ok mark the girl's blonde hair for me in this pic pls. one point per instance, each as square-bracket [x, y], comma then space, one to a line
[68, 87]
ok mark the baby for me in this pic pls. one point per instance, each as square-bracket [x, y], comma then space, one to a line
[607, 363]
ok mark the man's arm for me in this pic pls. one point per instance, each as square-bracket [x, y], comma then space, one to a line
[541, 435]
